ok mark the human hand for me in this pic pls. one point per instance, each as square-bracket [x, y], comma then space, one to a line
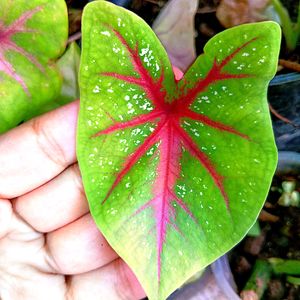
[50, 247]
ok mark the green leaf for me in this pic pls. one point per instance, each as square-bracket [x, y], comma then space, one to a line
[254, 230]
[175, 172]
[68, 65]
[287, 266]
[32, 35]
[293, 280]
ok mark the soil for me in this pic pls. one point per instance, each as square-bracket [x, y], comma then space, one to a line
[279, 238]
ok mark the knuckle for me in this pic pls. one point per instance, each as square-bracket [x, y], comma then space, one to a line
[123, 285]
[48, 143]
[76, 175]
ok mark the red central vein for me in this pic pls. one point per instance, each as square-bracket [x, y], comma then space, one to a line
[170, 152]
[163, 195]
[161, 205]
[171, 137]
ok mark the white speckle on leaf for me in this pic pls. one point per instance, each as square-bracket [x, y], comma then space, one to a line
[119, 22]
[116, 50]
[131, 111]
[157, 67]
[136, 131]
[144, 51]
[106, 33]
[241, 66]
[96, 89]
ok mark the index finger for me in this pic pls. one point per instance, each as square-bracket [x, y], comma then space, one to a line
[37, 151]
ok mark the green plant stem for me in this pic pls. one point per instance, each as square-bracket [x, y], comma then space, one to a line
[258, 281]
[291, 34]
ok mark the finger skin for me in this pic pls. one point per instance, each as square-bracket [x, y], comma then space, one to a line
[5, 217]
[78, 247]
[55, 204]
[115, 281]
[177, 73]
[37, 151]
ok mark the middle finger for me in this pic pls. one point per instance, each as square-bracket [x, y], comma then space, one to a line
[55, 204]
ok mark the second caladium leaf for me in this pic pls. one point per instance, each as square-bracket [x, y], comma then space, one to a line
[175, 172]
[32, 35]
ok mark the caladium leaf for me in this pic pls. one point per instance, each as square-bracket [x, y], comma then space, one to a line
[32, 35]
[175, 172]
